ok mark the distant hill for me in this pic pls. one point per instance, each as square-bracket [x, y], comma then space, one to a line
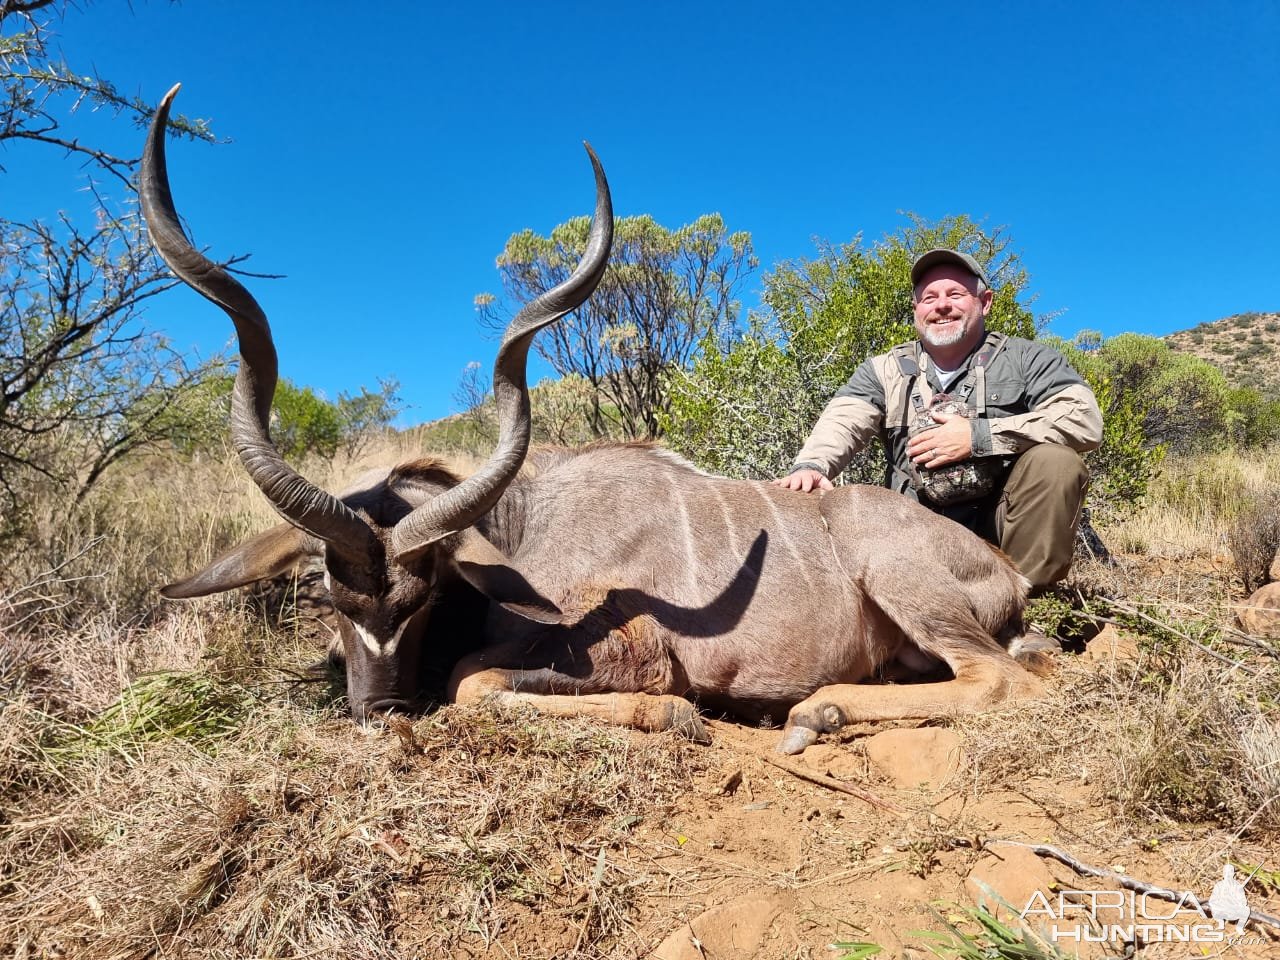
[1246, 347]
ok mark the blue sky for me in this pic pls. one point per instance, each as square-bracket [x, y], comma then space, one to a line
[381, 154]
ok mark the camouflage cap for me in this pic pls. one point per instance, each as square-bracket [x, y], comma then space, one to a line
[938, 255]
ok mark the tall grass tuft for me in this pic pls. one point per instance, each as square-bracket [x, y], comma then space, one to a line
[191, 706]
[1172, 735]
[975, 933]
[1193, 502]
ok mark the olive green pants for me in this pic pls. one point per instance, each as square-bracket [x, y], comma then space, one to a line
[1034, 516]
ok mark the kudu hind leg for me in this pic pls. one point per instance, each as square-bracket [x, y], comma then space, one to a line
[932, 609]
[543, 690]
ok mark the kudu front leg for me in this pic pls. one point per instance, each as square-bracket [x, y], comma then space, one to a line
[979, 684]
[542, 690]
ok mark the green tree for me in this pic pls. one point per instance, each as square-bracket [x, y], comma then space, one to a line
[1182, 399]
[1123, 465]
[664, 293]
[362, 416]
[82, 383]
[302, 421]
[746, 406]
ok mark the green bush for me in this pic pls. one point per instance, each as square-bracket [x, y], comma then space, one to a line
[1255, 417]
[1183, 400]
[302, 421]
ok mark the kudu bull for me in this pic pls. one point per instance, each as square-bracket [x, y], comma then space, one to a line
[616, 581]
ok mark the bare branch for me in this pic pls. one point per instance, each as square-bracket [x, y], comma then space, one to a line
[22, 6]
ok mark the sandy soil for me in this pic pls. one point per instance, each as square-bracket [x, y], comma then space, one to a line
[757, 861]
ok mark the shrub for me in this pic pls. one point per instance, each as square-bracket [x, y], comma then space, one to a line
[364, 415]
[1254, 536]
[1125, 461]
[1254, 348]
[302, 420]
[1184, 401]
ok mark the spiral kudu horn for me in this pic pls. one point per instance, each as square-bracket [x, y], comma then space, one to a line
[460, 507]
[297, 499]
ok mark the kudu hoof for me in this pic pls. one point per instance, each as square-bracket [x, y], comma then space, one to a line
[1039, 662]
[806, 721]
[685, 721]
[795, 739]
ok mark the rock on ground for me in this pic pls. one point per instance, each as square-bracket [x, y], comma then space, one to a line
[1260, 614]
[730, 931]
[920, 757]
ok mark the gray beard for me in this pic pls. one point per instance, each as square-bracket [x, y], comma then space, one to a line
[935, 339]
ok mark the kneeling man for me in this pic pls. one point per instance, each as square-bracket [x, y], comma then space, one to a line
[980, 427]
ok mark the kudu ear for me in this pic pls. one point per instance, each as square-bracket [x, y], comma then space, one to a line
[492, 572]
[258, 558]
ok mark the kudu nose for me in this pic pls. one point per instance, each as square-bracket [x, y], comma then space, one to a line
[372, 710]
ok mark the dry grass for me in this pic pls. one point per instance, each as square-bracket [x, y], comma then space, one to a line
[170, 787]
[226, 809]
[1182, 728]
[146, 525]
[1193, 503]
[1175, 733]
[1170, 737]
[341, 844]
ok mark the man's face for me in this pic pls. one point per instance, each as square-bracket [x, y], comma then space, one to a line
[949, 310]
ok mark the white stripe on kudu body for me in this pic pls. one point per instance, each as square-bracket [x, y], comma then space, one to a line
[780, 525]
[730, 527]
[686, 529]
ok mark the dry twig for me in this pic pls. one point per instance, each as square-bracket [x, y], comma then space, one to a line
[820, 779]
[1133, 610]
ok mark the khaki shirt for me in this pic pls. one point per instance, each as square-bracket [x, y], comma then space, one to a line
[1031, 396]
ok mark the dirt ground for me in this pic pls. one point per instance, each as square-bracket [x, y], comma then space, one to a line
[469, 833]
[768, 857]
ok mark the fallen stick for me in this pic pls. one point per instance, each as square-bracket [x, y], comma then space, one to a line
[819, 779]
[1181, 635]
[1129, 883]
